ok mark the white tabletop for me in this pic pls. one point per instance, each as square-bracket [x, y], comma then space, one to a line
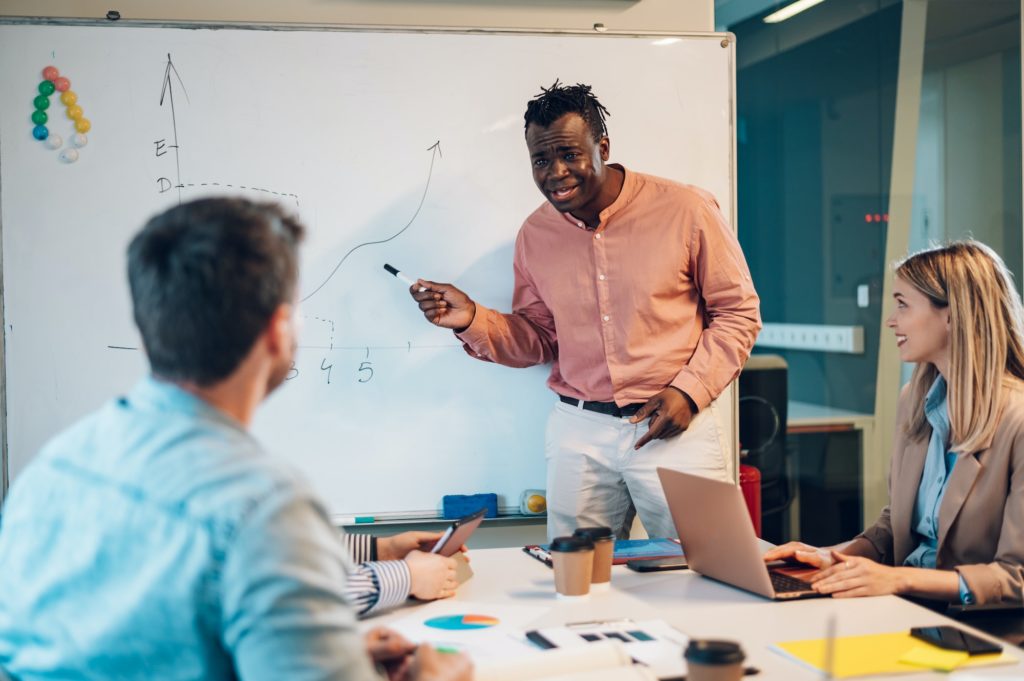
[700, 607]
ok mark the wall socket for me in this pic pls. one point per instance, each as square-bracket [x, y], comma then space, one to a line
[819, 337]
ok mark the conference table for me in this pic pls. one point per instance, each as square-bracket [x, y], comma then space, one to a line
[702, 608]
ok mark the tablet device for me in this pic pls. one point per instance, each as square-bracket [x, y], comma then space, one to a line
[457, 534]
[657, 564]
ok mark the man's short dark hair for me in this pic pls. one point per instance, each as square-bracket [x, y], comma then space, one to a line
[558, 100]
[205, 278]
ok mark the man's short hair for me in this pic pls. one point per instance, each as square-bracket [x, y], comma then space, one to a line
[205, 279]
[558, 100]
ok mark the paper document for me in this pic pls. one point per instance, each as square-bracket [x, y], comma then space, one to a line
[878, 654]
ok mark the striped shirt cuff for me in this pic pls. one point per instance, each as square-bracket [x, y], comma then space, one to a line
[393, 582]
[362, 547]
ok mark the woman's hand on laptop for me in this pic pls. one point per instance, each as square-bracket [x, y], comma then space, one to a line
[852, 576]
[801, 553]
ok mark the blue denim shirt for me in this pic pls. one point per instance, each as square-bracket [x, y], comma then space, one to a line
[938, 466]
[155, 539]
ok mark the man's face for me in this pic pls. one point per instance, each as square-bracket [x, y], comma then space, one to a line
[568, 165]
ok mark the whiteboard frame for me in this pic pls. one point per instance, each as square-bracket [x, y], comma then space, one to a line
[726, 39]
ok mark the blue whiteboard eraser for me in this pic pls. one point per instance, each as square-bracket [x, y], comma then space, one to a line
[454, 506]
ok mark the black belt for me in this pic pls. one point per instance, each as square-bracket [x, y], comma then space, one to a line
[609, 408]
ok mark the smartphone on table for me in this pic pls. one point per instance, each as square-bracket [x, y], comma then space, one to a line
[955, 638]
[457, 534]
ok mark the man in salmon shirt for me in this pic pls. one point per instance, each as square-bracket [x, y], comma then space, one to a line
[636, 291]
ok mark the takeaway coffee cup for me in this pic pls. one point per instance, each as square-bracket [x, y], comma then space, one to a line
[573, 559]
[708, 660]
[604, 547]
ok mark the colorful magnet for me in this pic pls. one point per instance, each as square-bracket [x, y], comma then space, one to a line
[50, 72]
[83, 125]
[69, 155]
[46, 88]
[40, 132]
[39, 117]
[74, 112]
[62, 84]
[41, 102]
[79, 140]
[68, 98]
[54, 142]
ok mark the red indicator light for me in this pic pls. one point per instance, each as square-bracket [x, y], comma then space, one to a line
[867, 218]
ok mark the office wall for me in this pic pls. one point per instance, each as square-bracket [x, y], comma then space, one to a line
[638, 15]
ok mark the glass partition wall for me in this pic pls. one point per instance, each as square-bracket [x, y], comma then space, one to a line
[866, 128]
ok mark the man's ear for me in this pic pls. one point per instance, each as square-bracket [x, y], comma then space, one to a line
[279, 331]
[605, 145]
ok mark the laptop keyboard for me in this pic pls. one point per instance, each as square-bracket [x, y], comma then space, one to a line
[786, 584]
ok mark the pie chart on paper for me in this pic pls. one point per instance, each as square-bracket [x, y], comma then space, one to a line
[462, 622]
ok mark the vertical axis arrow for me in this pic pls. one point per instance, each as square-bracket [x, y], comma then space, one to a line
[167, 91]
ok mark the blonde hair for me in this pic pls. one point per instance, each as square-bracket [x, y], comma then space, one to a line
[986, 322]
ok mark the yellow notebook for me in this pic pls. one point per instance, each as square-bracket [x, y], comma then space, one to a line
[882, 654]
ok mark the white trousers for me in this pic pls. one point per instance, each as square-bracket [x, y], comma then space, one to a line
[595, 477]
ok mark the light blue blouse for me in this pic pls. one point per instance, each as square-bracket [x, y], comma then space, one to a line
[938, 466]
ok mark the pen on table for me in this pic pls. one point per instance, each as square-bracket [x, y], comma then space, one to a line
[355, 520]
[402, 277]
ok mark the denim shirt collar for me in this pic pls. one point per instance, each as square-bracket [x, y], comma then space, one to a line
[157, 394]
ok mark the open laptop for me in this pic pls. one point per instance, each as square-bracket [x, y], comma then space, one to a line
[718, 538]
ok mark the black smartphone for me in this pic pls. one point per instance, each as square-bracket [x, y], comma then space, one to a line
[657, 564]
[457, 534]
[954, 638]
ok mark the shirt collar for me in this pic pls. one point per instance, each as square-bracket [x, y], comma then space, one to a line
[160, 395]
[621, 201]
[935, 404]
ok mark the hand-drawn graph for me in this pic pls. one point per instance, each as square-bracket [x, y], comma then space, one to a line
[171, 81]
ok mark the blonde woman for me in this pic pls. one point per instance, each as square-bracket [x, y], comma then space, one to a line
[954, 527]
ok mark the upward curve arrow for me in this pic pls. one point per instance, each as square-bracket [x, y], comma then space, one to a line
[435, 148]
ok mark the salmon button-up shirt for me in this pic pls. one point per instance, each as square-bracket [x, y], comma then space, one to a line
[658, 295]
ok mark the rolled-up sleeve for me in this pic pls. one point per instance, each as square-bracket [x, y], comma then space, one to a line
[731, 305]
[284, 613]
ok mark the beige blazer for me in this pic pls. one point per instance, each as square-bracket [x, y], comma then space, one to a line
[981, 517]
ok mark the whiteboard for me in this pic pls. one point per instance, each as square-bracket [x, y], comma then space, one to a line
[398, 147]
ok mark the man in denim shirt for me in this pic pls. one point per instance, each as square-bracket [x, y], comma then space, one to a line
[156, 539]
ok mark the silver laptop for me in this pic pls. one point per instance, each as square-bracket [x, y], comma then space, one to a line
[718, 537]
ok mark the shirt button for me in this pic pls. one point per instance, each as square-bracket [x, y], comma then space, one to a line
[601, 277]
[597, 236]
[606, 318]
